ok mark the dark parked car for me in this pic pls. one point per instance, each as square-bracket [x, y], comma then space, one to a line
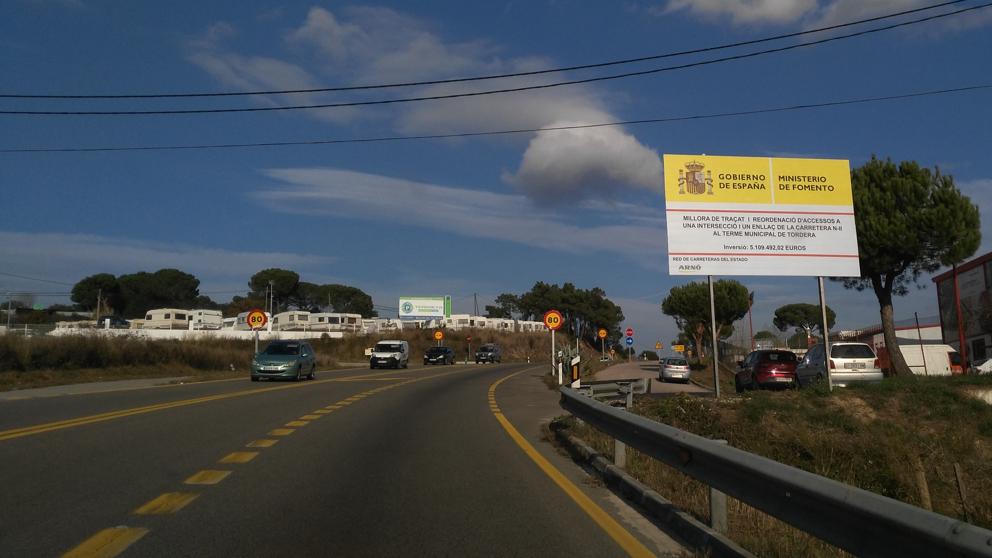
[767, 368]
[489, 352]
[116, 322]
[439, 355]
[287, 360]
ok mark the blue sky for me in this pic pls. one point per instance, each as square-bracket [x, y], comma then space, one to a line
[458, 216]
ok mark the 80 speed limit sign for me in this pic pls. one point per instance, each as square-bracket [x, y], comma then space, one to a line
[553, 319]
[256, 318]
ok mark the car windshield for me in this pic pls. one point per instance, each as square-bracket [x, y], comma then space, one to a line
[780, 356]
[487, 348]
[388, 348]
[851, 351]
[282, 349]
[436, 350]
[678, 362]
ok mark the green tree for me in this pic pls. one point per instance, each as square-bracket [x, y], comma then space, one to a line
[587, 309]
[284, 286]
[806, 317]
[689, 304]
[84, 293]
[764, 335]
[507, 305]
[166, 288]
[910, 221]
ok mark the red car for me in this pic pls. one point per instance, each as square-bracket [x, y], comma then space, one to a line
[767, 368]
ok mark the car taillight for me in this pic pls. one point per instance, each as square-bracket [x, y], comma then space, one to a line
[832, 365]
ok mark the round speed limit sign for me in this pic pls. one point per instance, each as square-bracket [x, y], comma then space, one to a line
[256, 318]
[438, 335]
[553, 319]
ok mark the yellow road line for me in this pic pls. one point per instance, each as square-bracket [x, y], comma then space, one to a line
[170, 502]
[263, 443]
[297, 423]
[310, 417]
[207, 476]
[322, 411]
[621, 536]
[239, 457]
[281, 432]
[107, 543]
[113, 415]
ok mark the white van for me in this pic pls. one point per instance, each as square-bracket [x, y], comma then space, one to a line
[166, 318]
[390, 353]
[932, 360]
[206, 319]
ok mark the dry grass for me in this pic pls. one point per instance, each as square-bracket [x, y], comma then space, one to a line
[45, 361]
[866, 436]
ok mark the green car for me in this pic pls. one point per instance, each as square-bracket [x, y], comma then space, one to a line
[285, 360]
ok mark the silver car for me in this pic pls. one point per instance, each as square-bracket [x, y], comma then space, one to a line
[674, 369]
[848, 363]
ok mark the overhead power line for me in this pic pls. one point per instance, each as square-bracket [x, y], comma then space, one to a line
[662, 120]
[486, 92]
[478, 78]
[35, 279]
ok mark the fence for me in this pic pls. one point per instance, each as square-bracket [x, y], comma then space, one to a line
[855, 520]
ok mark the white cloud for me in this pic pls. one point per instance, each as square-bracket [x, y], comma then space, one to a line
[365, 45]
[70, 257]
[746, 11]
[587, 162]
[471, 213]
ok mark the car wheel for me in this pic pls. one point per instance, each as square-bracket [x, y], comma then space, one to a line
[299, 372]
[313, 371]
[254, 379]
[737, 385]
[754, 383]
[371, 367]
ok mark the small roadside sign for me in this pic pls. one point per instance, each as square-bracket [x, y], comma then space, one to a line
[553, 319]
[630, 332]
[438, 335]
[657, 345]
[678, 348]
[630, 341]
[602, 333]
[256, 318]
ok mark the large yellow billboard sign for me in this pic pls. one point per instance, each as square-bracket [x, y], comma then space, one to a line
[760, 216]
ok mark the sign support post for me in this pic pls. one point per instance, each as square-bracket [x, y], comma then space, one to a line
[826, 335]
[716, 343]
[553, 320]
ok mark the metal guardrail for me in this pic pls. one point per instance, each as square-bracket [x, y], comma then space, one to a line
[858, 521]
[615, 388]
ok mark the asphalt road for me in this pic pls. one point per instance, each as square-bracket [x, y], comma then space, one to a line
[433, 461]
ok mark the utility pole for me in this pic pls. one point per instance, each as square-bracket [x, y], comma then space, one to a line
[99, 295]
[476, 296]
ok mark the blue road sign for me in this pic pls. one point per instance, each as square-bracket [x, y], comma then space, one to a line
[630, 340]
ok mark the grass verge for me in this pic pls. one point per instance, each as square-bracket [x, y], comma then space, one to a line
[900, 438]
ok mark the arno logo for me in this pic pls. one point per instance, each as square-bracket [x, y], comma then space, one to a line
[690, 267]
[407, 307]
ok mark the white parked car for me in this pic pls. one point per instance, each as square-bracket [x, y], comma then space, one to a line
[674, 369]
[848, 363]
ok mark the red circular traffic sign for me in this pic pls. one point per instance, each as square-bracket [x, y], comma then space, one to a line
[439, 335]
[553, 319]
[630, 332]
[469, 339]
[256, 318]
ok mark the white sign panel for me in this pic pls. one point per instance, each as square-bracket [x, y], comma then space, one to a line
[425, 307]
[760, 216]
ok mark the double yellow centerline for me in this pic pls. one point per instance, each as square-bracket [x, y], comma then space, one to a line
[113, 415]
[110, 542]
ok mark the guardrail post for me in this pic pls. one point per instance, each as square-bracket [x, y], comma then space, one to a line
[718, 506]
[620, 448]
